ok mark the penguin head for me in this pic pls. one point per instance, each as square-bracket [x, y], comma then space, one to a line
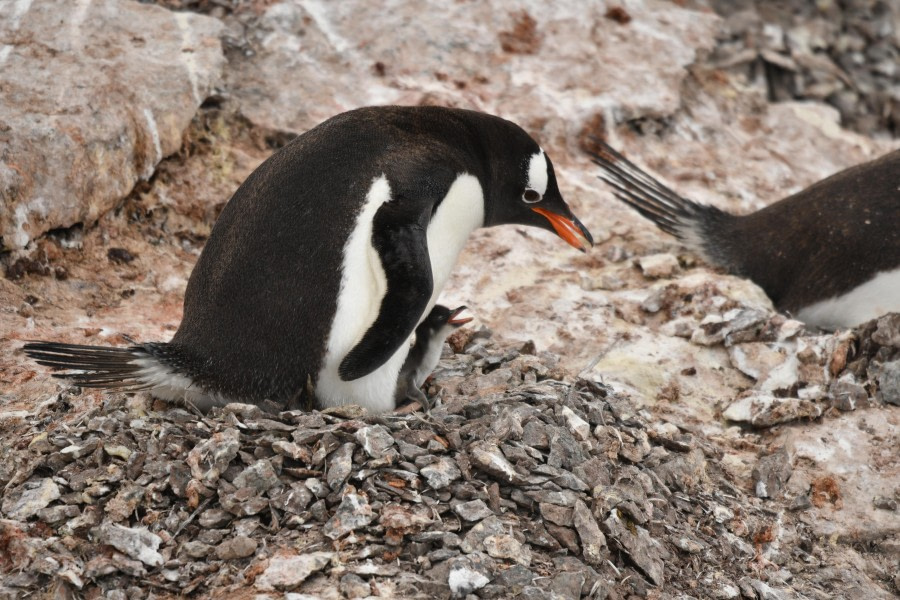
[442, 318]
[529, 195]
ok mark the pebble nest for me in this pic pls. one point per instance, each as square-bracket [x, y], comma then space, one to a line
[518, 485]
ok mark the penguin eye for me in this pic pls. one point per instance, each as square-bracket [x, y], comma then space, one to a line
[531, 196]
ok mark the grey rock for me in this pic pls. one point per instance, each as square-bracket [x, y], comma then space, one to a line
[565, 451]
[31, 498]
[488, 458]
[627, 496]
[560, 497]
[580, 428]
[292, 450]
[689, 545]
[593, 472]
[354, 512]
[243, 503]
[214, 517]
[468, 574]
[136, 542]
[534, 593]
[558, 515]
[847, 394]
[766, 592]
[260, 476]
[375, 440]
[316, 487]
[235, 548]
[637, 543]
[81, 143]
[212, 536]
[210, 458]
[887, 331]
[593, 542]
[440, 473]
[288, 572]
[354, 586]
[340, 464]
[294, 500]
[567, 585]
[197, 549]
[410, 451]
[515, 576]
[507, 547]
[535, 435]
[712, 331]
[474, 510]
[474, 539]
[55, 514]
[888, 377]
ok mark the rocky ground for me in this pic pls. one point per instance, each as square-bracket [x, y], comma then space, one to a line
[635, 425]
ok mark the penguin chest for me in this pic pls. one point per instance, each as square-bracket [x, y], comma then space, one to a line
[459, 214]
[364, 284]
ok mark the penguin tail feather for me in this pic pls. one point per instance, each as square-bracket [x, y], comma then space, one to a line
[670, 212]
[123, 369]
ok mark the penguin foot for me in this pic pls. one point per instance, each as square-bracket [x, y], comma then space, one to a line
[414, 394]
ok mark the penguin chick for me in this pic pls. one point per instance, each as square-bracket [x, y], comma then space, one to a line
[425, 354]
[829, 255]
[329, 255]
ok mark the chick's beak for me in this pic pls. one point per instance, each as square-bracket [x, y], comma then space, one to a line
[457, 322]
[571, 230]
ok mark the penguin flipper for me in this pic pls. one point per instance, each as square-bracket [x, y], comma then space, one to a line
[399, 235]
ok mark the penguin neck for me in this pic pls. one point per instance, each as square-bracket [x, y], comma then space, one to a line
[432, 346]
[459, 214]
[417, 352]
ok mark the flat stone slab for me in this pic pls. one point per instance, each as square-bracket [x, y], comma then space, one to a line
[93, 94]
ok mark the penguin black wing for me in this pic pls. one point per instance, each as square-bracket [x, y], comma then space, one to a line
[399, 235]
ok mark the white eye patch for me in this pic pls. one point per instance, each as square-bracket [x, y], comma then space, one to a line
[537, 173]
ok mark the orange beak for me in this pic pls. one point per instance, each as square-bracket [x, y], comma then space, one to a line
[571, 231]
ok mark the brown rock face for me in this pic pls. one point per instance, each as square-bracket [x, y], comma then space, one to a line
[89, 104]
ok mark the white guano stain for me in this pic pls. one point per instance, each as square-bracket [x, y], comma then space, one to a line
[153, 130]
[13, 19]
[188, 57]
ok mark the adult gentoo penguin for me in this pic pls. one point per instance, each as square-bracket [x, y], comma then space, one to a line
[328, 256]
[425, 354]
[828, 255]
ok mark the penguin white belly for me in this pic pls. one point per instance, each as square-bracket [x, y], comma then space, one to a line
[363, 286]
[460, 213]
[876, 297]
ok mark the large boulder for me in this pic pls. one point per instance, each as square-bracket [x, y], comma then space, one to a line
[92, 96]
